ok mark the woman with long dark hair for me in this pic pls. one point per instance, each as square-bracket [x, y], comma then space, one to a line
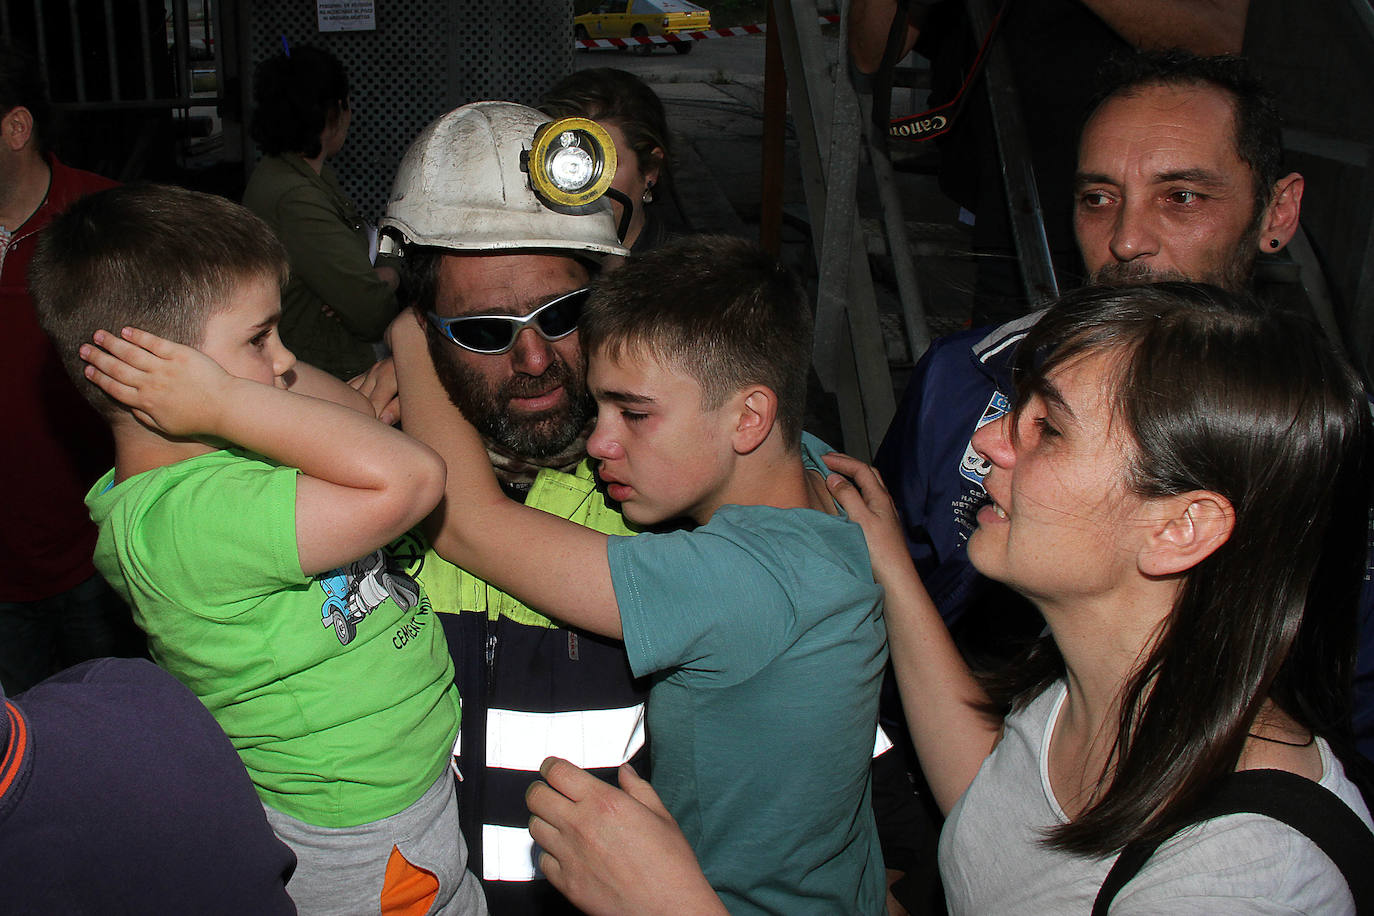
[1182, 490]
[336, 304]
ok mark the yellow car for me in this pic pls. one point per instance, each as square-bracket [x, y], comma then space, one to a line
[641, 19]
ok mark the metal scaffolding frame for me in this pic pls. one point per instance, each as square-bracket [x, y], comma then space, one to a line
[849, 356]
[837, 139]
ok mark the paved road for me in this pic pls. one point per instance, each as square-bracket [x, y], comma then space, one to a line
[714, 60]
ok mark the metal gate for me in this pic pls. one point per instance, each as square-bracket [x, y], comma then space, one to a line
[162, 89]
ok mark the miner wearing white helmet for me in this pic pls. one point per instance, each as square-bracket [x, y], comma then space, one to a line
[501, 225]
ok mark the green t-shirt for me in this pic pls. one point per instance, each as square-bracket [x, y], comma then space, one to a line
[336, 690]
[765, 629]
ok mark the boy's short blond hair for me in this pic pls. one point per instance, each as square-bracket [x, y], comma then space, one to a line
[717, 308]
[155, 257]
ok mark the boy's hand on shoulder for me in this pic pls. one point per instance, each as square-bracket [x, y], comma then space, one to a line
[860, 490]
[378, 385]
[170, 387]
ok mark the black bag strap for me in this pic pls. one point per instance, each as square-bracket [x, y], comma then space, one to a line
[937, 121]
[892, 52]
[1313, 810]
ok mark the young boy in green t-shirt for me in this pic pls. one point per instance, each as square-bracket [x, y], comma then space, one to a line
[761, 625]
[244, 521]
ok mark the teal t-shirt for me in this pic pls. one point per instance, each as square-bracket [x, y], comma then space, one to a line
[336, 690]
[765, 631]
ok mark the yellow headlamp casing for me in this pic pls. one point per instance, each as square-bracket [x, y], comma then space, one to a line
[571, 162]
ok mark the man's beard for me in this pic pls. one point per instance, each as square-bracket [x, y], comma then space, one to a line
[529, 436]
[1234, 273]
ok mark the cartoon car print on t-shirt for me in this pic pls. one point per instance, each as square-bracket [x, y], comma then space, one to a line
[355, 590]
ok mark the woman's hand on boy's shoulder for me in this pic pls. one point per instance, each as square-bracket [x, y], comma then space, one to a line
[859, 489]
[169, 387]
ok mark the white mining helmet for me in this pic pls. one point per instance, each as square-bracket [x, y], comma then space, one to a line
[496, 175]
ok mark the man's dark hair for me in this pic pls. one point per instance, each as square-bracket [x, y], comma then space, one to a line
[717, 308]
[1258, 128]
[295, 97]
[419, 270]
[21, 85]
[155, 257]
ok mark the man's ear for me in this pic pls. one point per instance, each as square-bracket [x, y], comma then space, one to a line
[756, 411]
[1190, 528]
[1280, 221]
[16, 128]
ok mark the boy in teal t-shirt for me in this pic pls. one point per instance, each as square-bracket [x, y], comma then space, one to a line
[761, 626]
[244, 522]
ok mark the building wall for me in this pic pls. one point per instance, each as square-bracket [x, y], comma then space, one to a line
[425, 58]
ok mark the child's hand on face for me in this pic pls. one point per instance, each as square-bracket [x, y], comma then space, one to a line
[859, 489]
[170, 387]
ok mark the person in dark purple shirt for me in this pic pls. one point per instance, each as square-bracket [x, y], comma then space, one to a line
[119, 793]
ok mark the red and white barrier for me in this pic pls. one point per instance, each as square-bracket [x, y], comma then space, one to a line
[681, 37]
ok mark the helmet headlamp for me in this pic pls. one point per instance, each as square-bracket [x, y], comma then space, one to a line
[571, 163]
[493, 207]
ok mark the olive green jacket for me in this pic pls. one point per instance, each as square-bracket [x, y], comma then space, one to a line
[334, 307]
